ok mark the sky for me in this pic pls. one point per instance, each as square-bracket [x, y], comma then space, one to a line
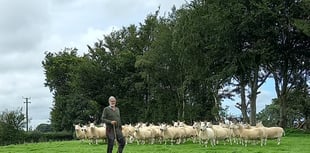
[30, 28]
[267, 93]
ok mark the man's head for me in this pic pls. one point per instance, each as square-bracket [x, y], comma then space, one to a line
[112, 101]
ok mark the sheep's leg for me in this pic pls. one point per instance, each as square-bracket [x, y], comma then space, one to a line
[206, 143]
[138, 142]
[211, 143]
[153, 141]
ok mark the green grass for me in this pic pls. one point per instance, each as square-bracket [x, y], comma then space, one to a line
[297, 143]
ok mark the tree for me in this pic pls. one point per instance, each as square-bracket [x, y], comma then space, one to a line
[10, 135]
[192, 36]
[270, 114]
[181, 66]
[288, 46]
[16, 118]
[44, 128]
[299, 103]
[60, 69]
[11, 127]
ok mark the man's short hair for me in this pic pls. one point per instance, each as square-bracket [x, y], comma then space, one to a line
[111, 97]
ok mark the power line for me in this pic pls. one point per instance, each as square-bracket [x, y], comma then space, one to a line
[27, 102]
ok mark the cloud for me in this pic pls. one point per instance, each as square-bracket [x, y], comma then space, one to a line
[30, 28]
[22, 24]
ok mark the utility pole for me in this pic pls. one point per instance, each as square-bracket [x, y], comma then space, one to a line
[27, 102]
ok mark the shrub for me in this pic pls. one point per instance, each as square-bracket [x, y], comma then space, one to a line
[37, 136]
[10, 135]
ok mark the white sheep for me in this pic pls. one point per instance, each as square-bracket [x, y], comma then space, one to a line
[171, 133]
[251, 134]
[97, 132]
[190, 132]
[220, 132]
[88, 134]
[272, 132]
[79, 133]
[196, 127]
[206, 134]
[143, 134]
[128, 132]
[157, 133]
[235, 133]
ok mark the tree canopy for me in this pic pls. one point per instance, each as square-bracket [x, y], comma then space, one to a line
[178, 66]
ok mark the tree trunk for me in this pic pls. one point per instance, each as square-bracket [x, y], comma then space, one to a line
[253, 96]
[217, 106]
[307, 122]
[281, 95]
[243, 104]
[253, 108]
[183, 108]
[283, 112]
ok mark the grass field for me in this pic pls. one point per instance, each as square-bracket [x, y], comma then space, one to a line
[298, 143]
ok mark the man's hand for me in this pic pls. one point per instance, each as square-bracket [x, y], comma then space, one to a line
[113, 122]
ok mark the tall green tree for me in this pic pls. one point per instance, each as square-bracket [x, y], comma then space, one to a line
[288, 45]
[159, 69]
[220, 43]
[60, 69]
[181, 66]
[191, 38]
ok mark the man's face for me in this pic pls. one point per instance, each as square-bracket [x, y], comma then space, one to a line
[112, 101]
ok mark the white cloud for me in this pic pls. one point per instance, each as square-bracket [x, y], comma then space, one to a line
[29, 28]
[22, 24]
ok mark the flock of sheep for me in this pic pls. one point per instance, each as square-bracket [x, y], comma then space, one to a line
[179, 132]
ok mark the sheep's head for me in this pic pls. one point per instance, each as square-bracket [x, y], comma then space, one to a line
[77, 127]
[196, 125]
[163, 127]
[209, 125]
[203, 126]
[84, 128]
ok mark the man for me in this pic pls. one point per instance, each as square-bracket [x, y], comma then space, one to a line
[111, 117]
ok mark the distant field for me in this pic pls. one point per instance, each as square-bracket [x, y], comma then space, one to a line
[298, 143]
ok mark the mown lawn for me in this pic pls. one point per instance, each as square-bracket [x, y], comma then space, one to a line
[298, 143]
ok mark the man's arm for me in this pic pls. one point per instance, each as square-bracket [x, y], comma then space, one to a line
[104, 116]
